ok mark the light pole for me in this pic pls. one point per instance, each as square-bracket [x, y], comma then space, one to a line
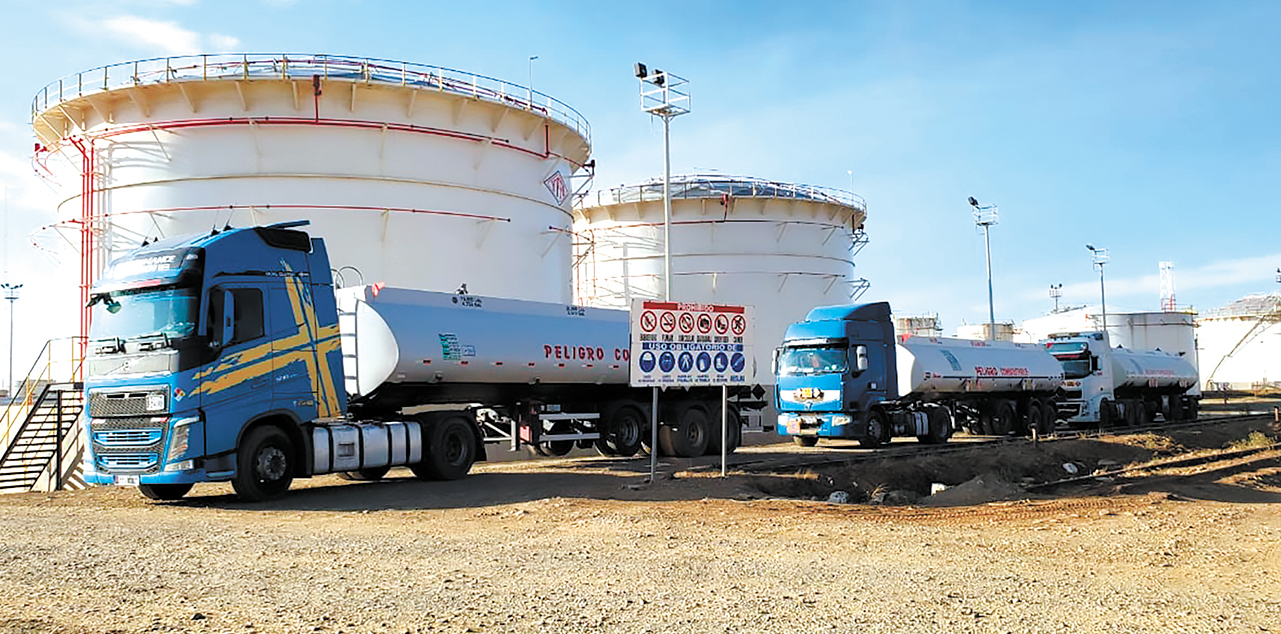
[531, 81]
[986, 217]
[1101, 258]
[11, 294]
[664, 95]
[1056, 291]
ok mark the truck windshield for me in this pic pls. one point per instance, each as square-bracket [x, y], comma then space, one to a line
[169, 311]
[1075, 358]
[803, 361]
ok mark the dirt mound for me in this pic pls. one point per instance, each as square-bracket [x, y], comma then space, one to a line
[981, 490]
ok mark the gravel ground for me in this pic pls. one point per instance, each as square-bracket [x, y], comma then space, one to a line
[541, 548]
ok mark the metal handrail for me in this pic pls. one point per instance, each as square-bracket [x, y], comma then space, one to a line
[247, 66]
[16, 410]
[710, 186]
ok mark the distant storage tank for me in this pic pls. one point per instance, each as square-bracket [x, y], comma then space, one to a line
[918, 326]
[780, 247]
[1241, 344]
[1004, 331]
[416, 176]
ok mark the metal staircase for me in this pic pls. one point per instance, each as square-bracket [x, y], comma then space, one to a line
[45, 447]
[40, 446]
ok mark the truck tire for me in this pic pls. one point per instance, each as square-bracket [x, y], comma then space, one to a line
[878, 430]
[1107, 414]
[735, 432]
[998, 418]
[264, 465]
[1049, 418]
[364, 475]
[688, 437]
[624, 428]
[1132, 416]
[1174, 411]
[450, 451]
[939, 426]
[164, 492]
[1191, 409]
[806, 441]
[559, 448]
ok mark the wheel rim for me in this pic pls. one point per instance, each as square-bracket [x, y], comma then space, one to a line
[455, 449]
[627, 431]
[271, 464]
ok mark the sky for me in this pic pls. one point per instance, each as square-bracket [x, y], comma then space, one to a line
[1148, 128]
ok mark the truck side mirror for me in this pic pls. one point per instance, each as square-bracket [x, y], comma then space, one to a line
[774, 362]
[860, 358]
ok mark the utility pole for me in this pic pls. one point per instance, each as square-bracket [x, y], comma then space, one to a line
[986, 217]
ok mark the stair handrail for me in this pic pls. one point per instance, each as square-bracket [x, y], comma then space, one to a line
[15, 411]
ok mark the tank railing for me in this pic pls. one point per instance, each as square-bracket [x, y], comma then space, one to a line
[246, 66]
[699, 186]
[49, 367]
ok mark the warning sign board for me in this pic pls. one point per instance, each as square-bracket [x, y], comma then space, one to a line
[676, 344]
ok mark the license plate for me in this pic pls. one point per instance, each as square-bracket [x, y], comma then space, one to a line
[127, 480]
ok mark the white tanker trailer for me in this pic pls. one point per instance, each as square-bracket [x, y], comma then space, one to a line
[506, 360]
[1109, 386]
[841, 374]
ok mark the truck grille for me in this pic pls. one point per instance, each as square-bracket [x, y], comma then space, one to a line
[1072, 395]
[132, 444]
[129, 462]
[125, 403]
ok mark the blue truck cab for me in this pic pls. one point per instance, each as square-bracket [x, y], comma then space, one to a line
[206, 352]
[832, 370]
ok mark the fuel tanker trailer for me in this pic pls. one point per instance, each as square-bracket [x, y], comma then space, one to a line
[229, 356]
[1109, 386]
[842, 374]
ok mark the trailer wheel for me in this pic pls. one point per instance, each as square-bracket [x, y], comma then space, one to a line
[559, 447]
[622, 433]
[1191, 409]
[688, 437]
[1174, 409]
[364, 475]
[735, 432]
[939, 426]
[450, 451]
[265, 465]
[1132, 416]
[806, 441]
[878, 430]
[1045, 426]
[998, 418]
[164, 492]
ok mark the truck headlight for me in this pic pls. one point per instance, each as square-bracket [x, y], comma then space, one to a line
[180, 437]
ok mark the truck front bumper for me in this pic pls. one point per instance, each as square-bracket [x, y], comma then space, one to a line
[189, 476]
[820, 424]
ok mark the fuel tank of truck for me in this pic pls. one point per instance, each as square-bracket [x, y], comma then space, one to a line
[942, 365]
[398, 335]
[1152, 369]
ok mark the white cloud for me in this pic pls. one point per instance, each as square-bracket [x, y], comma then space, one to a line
[170, 38]
[222, 43]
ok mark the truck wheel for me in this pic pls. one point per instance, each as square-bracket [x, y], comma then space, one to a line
[450, 451]
[1191, 409]
[878, 430]
[1175, 410]
[1049, 417]
[998, 418]
[940, 426]
[735, 432]
[365, 475]
[164, 491]
[559, 447]
[622, 433]
[265, 465]
[1132, 416]
[805, 441]
[688, 437]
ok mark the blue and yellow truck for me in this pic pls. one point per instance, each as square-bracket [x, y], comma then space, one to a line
[230, 356]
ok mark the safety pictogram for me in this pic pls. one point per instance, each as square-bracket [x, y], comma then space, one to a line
[722, 324]
[738, 324]
[648, 321]
[667, 321]
[686, 322]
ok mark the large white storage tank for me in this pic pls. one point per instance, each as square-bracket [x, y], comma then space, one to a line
[783, 248]
[1241, 344]
[416, 176]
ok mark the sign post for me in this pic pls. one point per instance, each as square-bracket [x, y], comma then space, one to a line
[675, 344]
